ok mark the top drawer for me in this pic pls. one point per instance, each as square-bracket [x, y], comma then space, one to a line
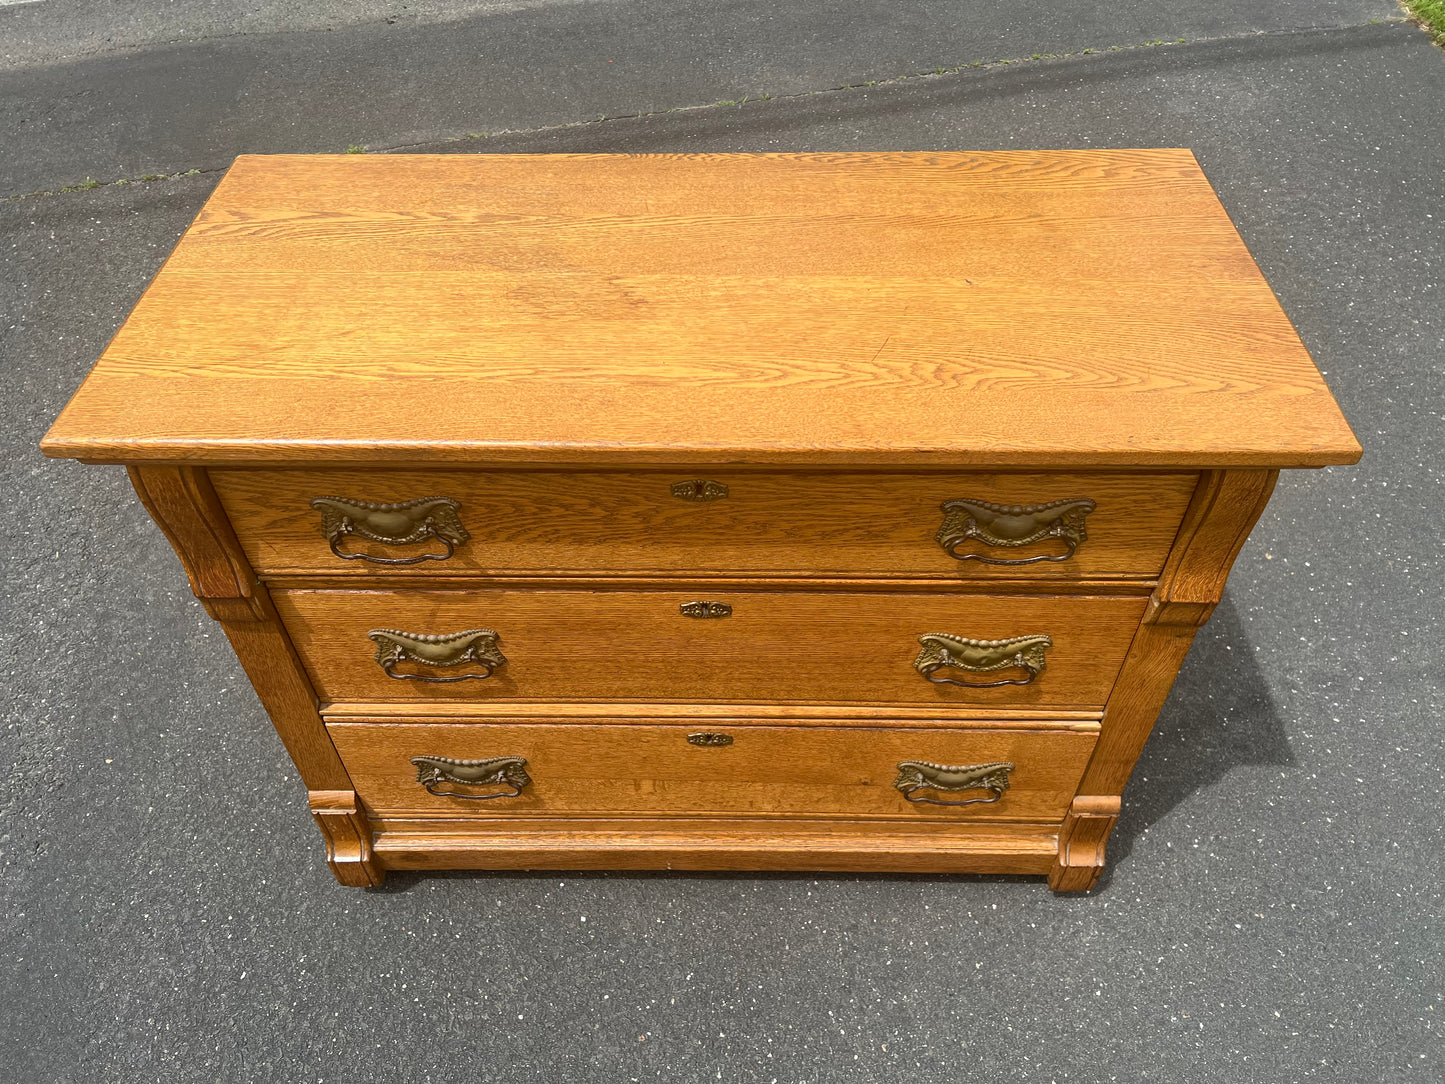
[1039, 525]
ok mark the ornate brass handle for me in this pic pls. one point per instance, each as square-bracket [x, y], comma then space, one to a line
[503, 771]
[403, 524]
[916, 775]
[942, 650]
[1012, 525]
[457, 649]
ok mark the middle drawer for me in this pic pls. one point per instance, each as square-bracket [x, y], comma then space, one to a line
[751, 646]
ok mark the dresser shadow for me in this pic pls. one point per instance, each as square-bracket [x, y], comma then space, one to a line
[1219, 716]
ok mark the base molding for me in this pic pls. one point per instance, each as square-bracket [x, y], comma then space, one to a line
[647, 844]
[1082, 840]
[347, 832]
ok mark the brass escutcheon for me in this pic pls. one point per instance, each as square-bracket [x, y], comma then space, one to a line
[699, 489]
[709, 738]
[705, 609]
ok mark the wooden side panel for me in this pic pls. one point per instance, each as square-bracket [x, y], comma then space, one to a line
[768, 770]
[846, 523]
[1225, 509]
[184, 506]
[266, 654]
[782, 645]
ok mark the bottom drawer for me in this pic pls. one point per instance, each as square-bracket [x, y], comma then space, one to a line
[1005, 772]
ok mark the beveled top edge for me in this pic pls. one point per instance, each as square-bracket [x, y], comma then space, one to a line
[133, 408]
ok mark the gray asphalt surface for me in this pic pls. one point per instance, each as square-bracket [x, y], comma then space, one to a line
[1273, 908]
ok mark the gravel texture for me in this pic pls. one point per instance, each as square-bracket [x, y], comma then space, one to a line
[1273, 908]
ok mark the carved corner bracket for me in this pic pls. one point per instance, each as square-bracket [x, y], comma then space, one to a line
[1082, 839]
[1226, 506]
[190, 515]
[347, 832]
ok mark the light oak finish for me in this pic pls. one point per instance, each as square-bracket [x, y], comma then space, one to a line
[1082, 839]
[715, 843]
[873, 526]
[584, 712]
[184, 506]
[347, 831]
[781, 770]
[780, 645]
[844, 341]
[1016, 308]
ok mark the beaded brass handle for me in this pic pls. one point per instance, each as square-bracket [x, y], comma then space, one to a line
[495, 771]
[944, 651]
[403, 524]
[477, 646]
[916, 775]
[1012, 526]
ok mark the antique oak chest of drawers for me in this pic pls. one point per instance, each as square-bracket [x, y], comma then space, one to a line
[830, 511]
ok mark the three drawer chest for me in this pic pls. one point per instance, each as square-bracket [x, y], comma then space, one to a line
[796, 511]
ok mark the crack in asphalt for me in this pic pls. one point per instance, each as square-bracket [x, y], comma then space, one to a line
[747, 100]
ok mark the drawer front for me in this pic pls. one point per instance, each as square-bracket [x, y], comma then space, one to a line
[767, 523]
[1001, 773]
[831, 647]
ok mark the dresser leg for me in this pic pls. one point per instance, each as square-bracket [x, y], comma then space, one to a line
[1082, 839]
[348, 838]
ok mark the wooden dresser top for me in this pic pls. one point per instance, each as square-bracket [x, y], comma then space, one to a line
[1084, 308]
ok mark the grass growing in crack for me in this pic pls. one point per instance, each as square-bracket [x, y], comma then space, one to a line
[356, 148]
[91, 182]
[1428, 14]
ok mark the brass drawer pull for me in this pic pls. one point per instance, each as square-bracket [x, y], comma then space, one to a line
[699, 489]
[705, 609]
[942, 650]
[1012, 525]
[496, 771]
[916, 775]
[477, 646]
[403, 524]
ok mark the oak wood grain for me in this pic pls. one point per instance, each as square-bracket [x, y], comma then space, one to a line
[844, 523]
[784, 645]
[1225, 509]
[1082, 840]
[767, 769]
[890, 715]
[1219, 519]
[185, 507]
[716, 843]
[347, 831]
[1016, 308]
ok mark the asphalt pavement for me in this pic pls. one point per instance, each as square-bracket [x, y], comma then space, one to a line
[1272, 911]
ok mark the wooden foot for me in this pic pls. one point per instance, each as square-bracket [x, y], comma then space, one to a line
[348, 838]
[1082, 838]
